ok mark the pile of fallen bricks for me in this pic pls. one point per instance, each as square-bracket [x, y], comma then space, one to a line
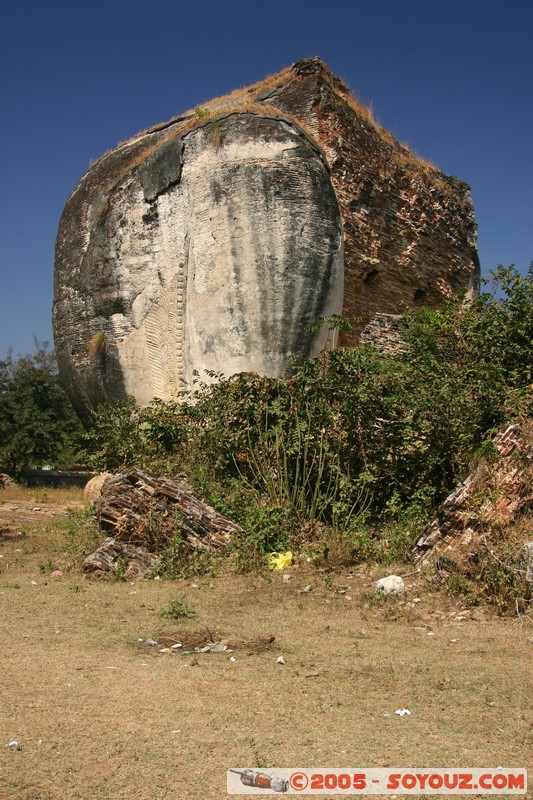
[127, 502]
[493, 495]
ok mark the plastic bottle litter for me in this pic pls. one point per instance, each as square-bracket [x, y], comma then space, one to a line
[212, 647]
[218, 647]
[14, 745]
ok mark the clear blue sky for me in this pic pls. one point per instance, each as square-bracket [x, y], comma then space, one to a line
[451, 78]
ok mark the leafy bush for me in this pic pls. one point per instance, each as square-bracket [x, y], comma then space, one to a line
[124, 434]
[83, 534]
[176, 560]
[269, 528]
[179, 608]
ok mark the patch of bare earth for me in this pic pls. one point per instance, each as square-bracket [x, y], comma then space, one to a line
[101, 716]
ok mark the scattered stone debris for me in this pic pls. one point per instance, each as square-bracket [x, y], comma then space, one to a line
[480, 543]
[111, 555]
[213, 647]
[127, 506]
[391, 585]
[196, 642]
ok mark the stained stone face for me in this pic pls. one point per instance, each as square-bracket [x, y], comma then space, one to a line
[218, 254]
[214, 243]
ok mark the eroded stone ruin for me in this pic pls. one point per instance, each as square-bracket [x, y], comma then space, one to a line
[215, 240]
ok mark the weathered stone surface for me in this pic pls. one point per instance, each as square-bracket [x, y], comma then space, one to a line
[93, 488]
[144, 513]
[214, 241]
[384, 332]
[409, 230]
[224, 269]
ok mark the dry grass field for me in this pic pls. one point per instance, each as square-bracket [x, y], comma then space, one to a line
[100, 716]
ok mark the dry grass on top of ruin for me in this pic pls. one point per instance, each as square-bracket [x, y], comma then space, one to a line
[246, 99]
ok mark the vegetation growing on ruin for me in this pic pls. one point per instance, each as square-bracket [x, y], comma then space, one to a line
[98, 345]
[345, 461]
[351, 454]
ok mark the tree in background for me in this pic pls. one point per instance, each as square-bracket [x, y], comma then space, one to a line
[37, 422]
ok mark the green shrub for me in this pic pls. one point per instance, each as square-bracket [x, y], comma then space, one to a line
[179, 608]
[123, 435]
[268, 529]
[83, 534]
[505, 585]
[177, 560]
